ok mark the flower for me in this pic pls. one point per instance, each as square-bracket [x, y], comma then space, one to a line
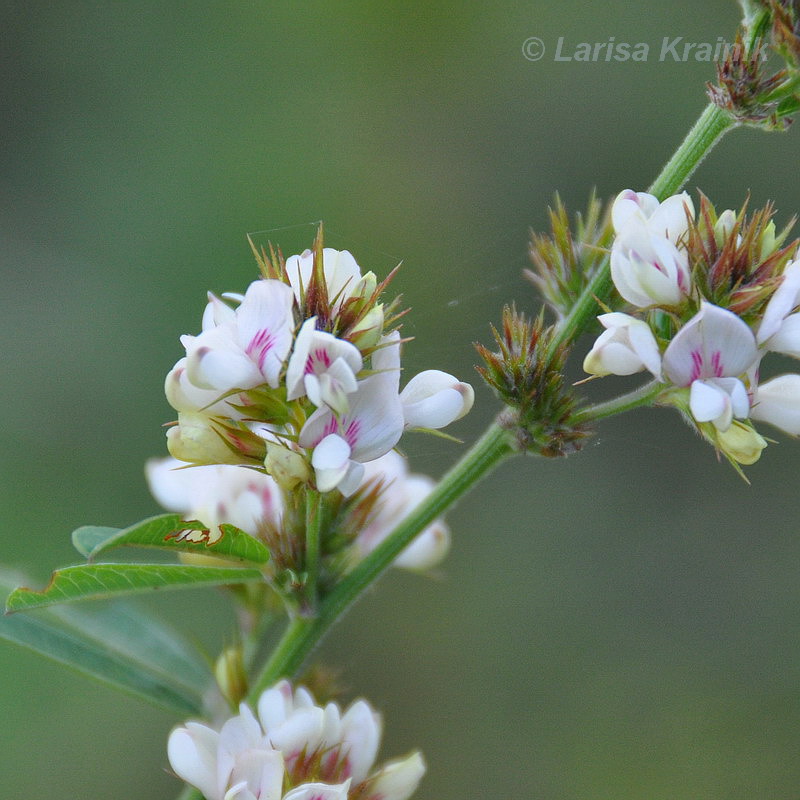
[292, 750]
[625, 347]
[402, 493]
[297, 377]
[342, 276]
[215, 494]
[647, 265]
[322, 367]
[709, 354]
[248, 348]
[779, 330]
[434, 399]
[740, 442]
[668, 219]
[371, 427]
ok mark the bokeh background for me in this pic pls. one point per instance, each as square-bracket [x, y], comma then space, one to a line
[622, 624]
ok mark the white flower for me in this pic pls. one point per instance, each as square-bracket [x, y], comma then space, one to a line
[342, 276]
[708, 354]
[434, 399]
[322, 367]
[183, 395]
[402, 493]
[648, 269]
[370, 428]
[238, 762]
[215, 494]
[777, 402]
[248, 349]
[667, 219]
[316, 753]
[779, 330]
[647, 265]
[625, 347]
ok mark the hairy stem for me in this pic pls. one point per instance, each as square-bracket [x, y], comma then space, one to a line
[643, 396]
[705, 133]
[303, 634]
[313, 529]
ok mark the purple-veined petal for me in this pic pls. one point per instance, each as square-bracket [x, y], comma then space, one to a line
[214, 360]
[715, 343]
[264, 326]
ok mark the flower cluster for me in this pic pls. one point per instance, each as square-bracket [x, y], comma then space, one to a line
[292, 749]
[712, 296]
[300, 377]
[253, 502]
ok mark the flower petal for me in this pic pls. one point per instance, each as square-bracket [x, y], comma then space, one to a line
[319, 791]
[331, 460]
[433, 399]
[264, 326]
[708, 402]
[714, 343]
[192, 753]
[782, 303]
[398, 780]
[361, 734]
[777, 402]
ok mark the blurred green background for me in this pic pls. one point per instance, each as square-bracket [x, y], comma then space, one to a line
[623, 624]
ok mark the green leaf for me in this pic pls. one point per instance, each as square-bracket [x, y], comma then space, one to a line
[170, 532]
[92, 581]
[88, 537]
[118, 645]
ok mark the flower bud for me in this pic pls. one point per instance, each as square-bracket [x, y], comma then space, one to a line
[433, 399]
[625, 347]
[724, 225]
[367, 331]
[231, 676]
[194, 439]
[286, 466]
[741, 442]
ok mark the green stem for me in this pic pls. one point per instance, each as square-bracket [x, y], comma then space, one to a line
[496, 444]
[303, 634]
[643, 396]
[705, 133]
[313, 528]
